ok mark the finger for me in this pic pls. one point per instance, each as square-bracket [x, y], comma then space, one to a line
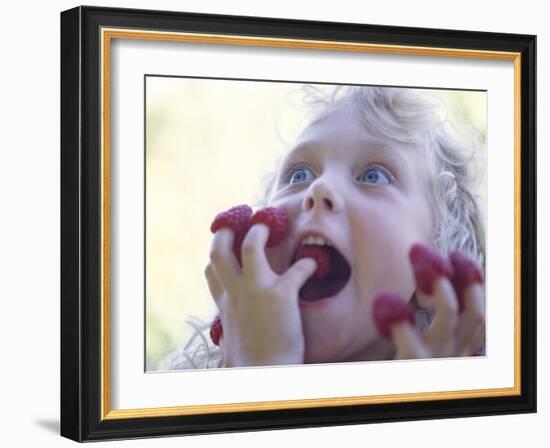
[215, 287]
[295, 277]
[253, 251]
[408, 342]
[474, 302]
[440, 337]
[424, 300]
[466, 272]
[222, 258]
[471, 328]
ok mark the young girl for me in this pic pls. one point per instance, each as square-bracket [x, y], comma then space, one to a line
[383, 180]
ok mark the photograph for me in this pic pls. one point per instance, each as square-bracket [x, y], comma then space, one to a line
[290, 223]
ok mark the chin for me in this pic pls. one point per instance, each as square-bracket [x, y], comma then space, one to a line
[319, 357]
[324, 348]
[326, 342]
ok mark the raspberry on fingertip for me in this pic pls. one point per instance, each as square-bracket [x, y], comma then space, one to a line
[237, 219]
[390, 309]
[428, 266]
[321, 257]
[465, 274]
[216, 330]
[277, 221]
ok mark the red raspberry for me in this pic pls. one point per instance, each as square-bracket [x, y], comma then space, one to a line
[277, 221]
[321, 257]
[465, 274]
[216, 330]
[428, 266]
[389, 309]
[236, 219]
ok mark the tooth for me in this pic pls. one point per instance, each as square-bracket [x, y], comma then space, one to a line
[317, 240]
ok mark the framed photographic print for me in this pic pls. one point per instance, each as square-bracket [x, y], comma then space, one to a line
[273, 223]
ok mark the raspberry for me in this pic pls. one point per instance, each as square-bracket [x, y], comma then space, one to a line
[277, 221]
[237, 219]
[465, 274]
[321, 257]
[388, 310]
[428, 266]
[216, 330]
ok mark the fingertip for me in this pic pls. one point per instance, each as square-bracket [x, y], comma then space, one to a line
[224, 255]
[308, 263]
[225, 235]
[258, 231]
[222, 241]
[299, 272]
[255, 238]
[306, 266]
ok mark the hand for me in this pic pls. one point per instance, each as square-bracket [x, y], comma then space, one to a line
[258, 308]
[454, 289]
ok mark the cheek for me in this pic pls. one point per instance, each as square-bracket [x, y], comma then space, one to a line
[381, 239]
[377, 224]
[394, 223]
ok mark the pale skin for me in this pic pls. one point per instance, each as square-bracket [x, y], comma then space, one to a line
[368, 195]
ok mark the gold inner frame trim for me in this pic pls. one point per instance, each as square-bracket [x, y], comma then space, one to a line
[107, 34]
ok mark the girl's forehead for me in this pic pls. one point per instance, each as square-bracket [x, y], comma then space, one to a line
[344, 130]
[349, 123]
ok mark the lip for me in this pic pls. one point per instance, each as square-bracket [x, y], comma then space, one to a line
[327, 301]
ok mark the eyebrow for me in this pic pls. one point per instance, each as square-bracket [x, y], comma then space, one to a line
[293, 157]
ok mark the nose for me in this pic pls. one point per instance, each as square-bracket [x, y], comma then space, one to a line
[322, 196]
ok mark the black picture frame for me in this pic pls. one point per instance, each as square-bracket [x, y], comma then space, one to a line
[83, 408]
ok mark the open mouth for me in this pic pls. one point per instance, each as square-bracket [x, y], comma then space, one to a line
[337, 277]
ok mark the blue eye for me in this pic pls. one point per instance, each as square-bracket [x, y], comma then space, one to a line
[376, 176]
[300, 175]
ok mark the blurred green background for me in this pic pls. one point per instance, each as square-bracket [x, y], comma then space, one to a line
[211, 144]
